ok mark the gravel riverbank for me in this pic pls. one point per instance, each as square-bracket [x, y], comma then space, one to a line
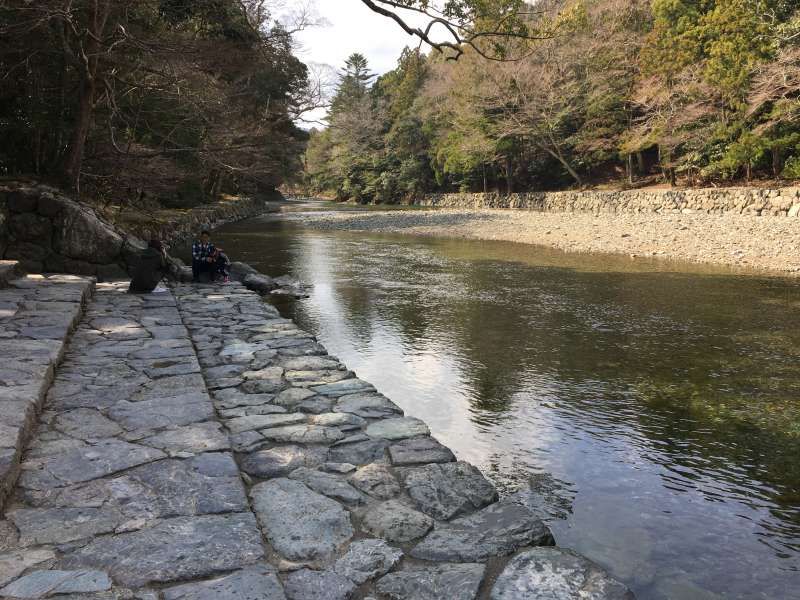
[750, 242]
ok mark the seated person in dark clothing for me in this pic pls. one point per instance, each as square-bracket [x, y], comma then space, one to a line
[150, 269]
[203, 257]
[222, 265]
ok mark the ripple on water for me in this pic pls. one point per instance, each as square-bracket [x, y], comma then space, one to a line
[655, 415]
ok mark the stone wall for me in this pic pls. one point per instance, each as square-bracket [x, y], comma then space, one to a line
[749, 201]
[183, 227]
[47, 231]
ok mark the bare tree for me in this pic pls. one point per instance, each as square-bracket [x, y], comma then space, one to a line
[496, 30]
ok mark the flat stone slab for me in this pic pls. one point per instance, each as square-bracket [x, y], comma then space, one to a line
[395, 522]
[173, 550]
[268, 373]
[344, 421]
[306, 584]
[162, 412]
[60, 525]
[367, 559]
[556, 574]
[442, 582]
[343, 388]
[263, 385]
[85, 423]
[42, 584]
[232, 398]
[252, 422]
[397, 429]
[376, 480]
[332, 486]
[311, 363]
[424, 450]
[204, 484]
[246, 411]
[252, 583]
[317, 378]
[300, 523]
[367, 406]
[196, 438]
[13, 564]
[303, 434]
[84, 464]
[280, 460]
[362, 452]
[497, 530]
[446, 490]
[293, 396]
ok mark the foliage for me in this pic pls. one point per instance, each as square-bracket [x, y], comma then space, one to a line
[691, 90]
[149, 98]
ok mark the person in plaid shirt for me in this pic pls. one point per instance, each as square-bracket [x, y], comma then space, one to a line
[202, 256]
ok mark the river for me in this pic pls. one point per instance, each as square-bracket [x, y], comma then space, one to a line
[654, 406]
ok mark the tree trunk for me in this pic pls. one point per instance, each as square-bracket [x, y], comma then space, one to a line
[88, 58]
[72, 162]
[629, 165]
[509, 176]
[557, 155]
[777, 161]
[485, 183]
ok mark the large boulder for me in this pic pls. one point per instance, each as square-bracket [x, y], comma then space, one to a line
[80, 234]
[240, 270]
[259, 283]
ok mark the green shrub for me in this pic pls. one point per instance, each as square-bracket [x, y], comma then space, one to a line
[791, 169]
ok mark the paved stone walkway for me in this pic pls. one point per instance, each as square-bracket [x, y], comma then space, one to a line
[37, 314]
[210, 449]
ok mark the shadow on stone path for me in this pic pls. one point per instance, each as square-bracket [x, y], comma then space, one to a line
[196, 445]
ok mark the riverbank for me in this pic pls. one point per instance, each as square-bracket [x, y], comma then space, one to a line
[763, 243]
[196, 444]
[48, 231]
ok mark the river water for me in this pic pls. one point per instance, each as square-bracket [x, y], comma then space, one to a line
[655, 407]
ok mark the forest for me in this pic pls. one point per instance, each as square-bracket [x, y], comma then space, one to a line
[614, 93]
[169, 101]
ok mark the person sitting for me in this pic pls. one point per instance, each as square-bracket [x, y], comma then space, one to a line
[150, 269]
[222, 265]
[202, 257]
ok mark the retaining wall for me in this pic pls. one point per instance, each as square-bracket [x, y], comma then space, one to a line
[748, 201]
[47, 231]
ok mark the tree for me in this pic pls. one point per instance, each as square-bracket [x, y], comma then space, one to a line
[152, 96]
[496, 29]
[692, 91]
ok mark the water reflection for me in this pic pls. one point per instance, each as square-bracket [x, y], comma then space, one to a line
[666, 405]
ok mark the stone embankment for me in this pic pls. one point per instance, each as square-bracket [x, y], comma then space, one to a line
[713, 201]
[37, 315]
[47, 231]
[196, 445]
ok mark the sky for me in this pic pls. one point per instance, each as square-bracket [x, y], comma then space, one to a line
[352, 27]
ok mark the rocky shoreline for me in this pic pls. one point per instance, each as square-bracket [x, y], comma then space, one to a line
[47, 231]
[764, 244]
[195, 445]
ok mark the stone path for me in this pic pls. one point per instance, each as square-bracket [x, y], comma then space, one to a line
[196, 445]
[37, 315]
